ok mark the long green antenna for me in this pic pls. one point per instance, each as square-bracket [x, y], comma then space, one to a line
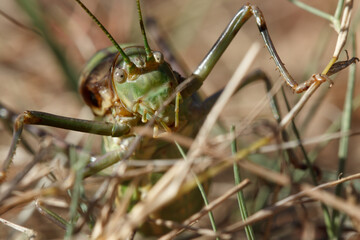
[122, 53]
[149, 55]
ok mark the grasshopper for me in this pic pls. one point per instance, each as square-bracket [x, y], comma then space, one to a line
[128, 86]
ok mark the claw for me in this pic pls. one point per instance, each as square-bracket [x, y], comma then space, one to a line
[314, 78]
[336, 67]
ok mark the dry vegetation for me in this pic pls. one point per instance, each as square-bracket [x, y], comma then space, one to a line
[284, 200]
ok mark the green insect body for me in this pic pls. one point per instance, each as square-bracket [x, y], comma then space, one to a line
[135, 100]
[138, 95]
[117, 96]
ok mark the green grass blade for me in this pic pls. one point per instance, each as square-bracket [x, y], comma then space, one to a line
[52, 216]
[32, 9]
[240, 196]
[202, 191]
[78, 165]
[345, 127]
[313, 10]
[339, 9]
[328, 223]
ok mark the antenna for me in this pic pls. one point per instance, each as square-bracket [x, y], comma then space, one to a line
[149, 55]
[127, 60]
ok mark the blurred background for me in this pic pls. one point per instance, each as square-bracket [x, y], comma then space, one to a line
[32, 79]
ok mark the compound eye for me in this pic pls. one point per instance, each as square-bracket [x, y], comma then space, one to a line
[119, 75]
[159, 57]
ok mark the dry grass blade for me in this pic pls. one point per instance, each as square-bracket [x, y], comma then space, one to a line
[30, 234]
[307, 141]
[106, 210]
[285, 203]
[25, 198]
[200, 231]
[352, 210]
[208, 208]
[351, 197]
[229, 90]
[344, 28]
[299, 105]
